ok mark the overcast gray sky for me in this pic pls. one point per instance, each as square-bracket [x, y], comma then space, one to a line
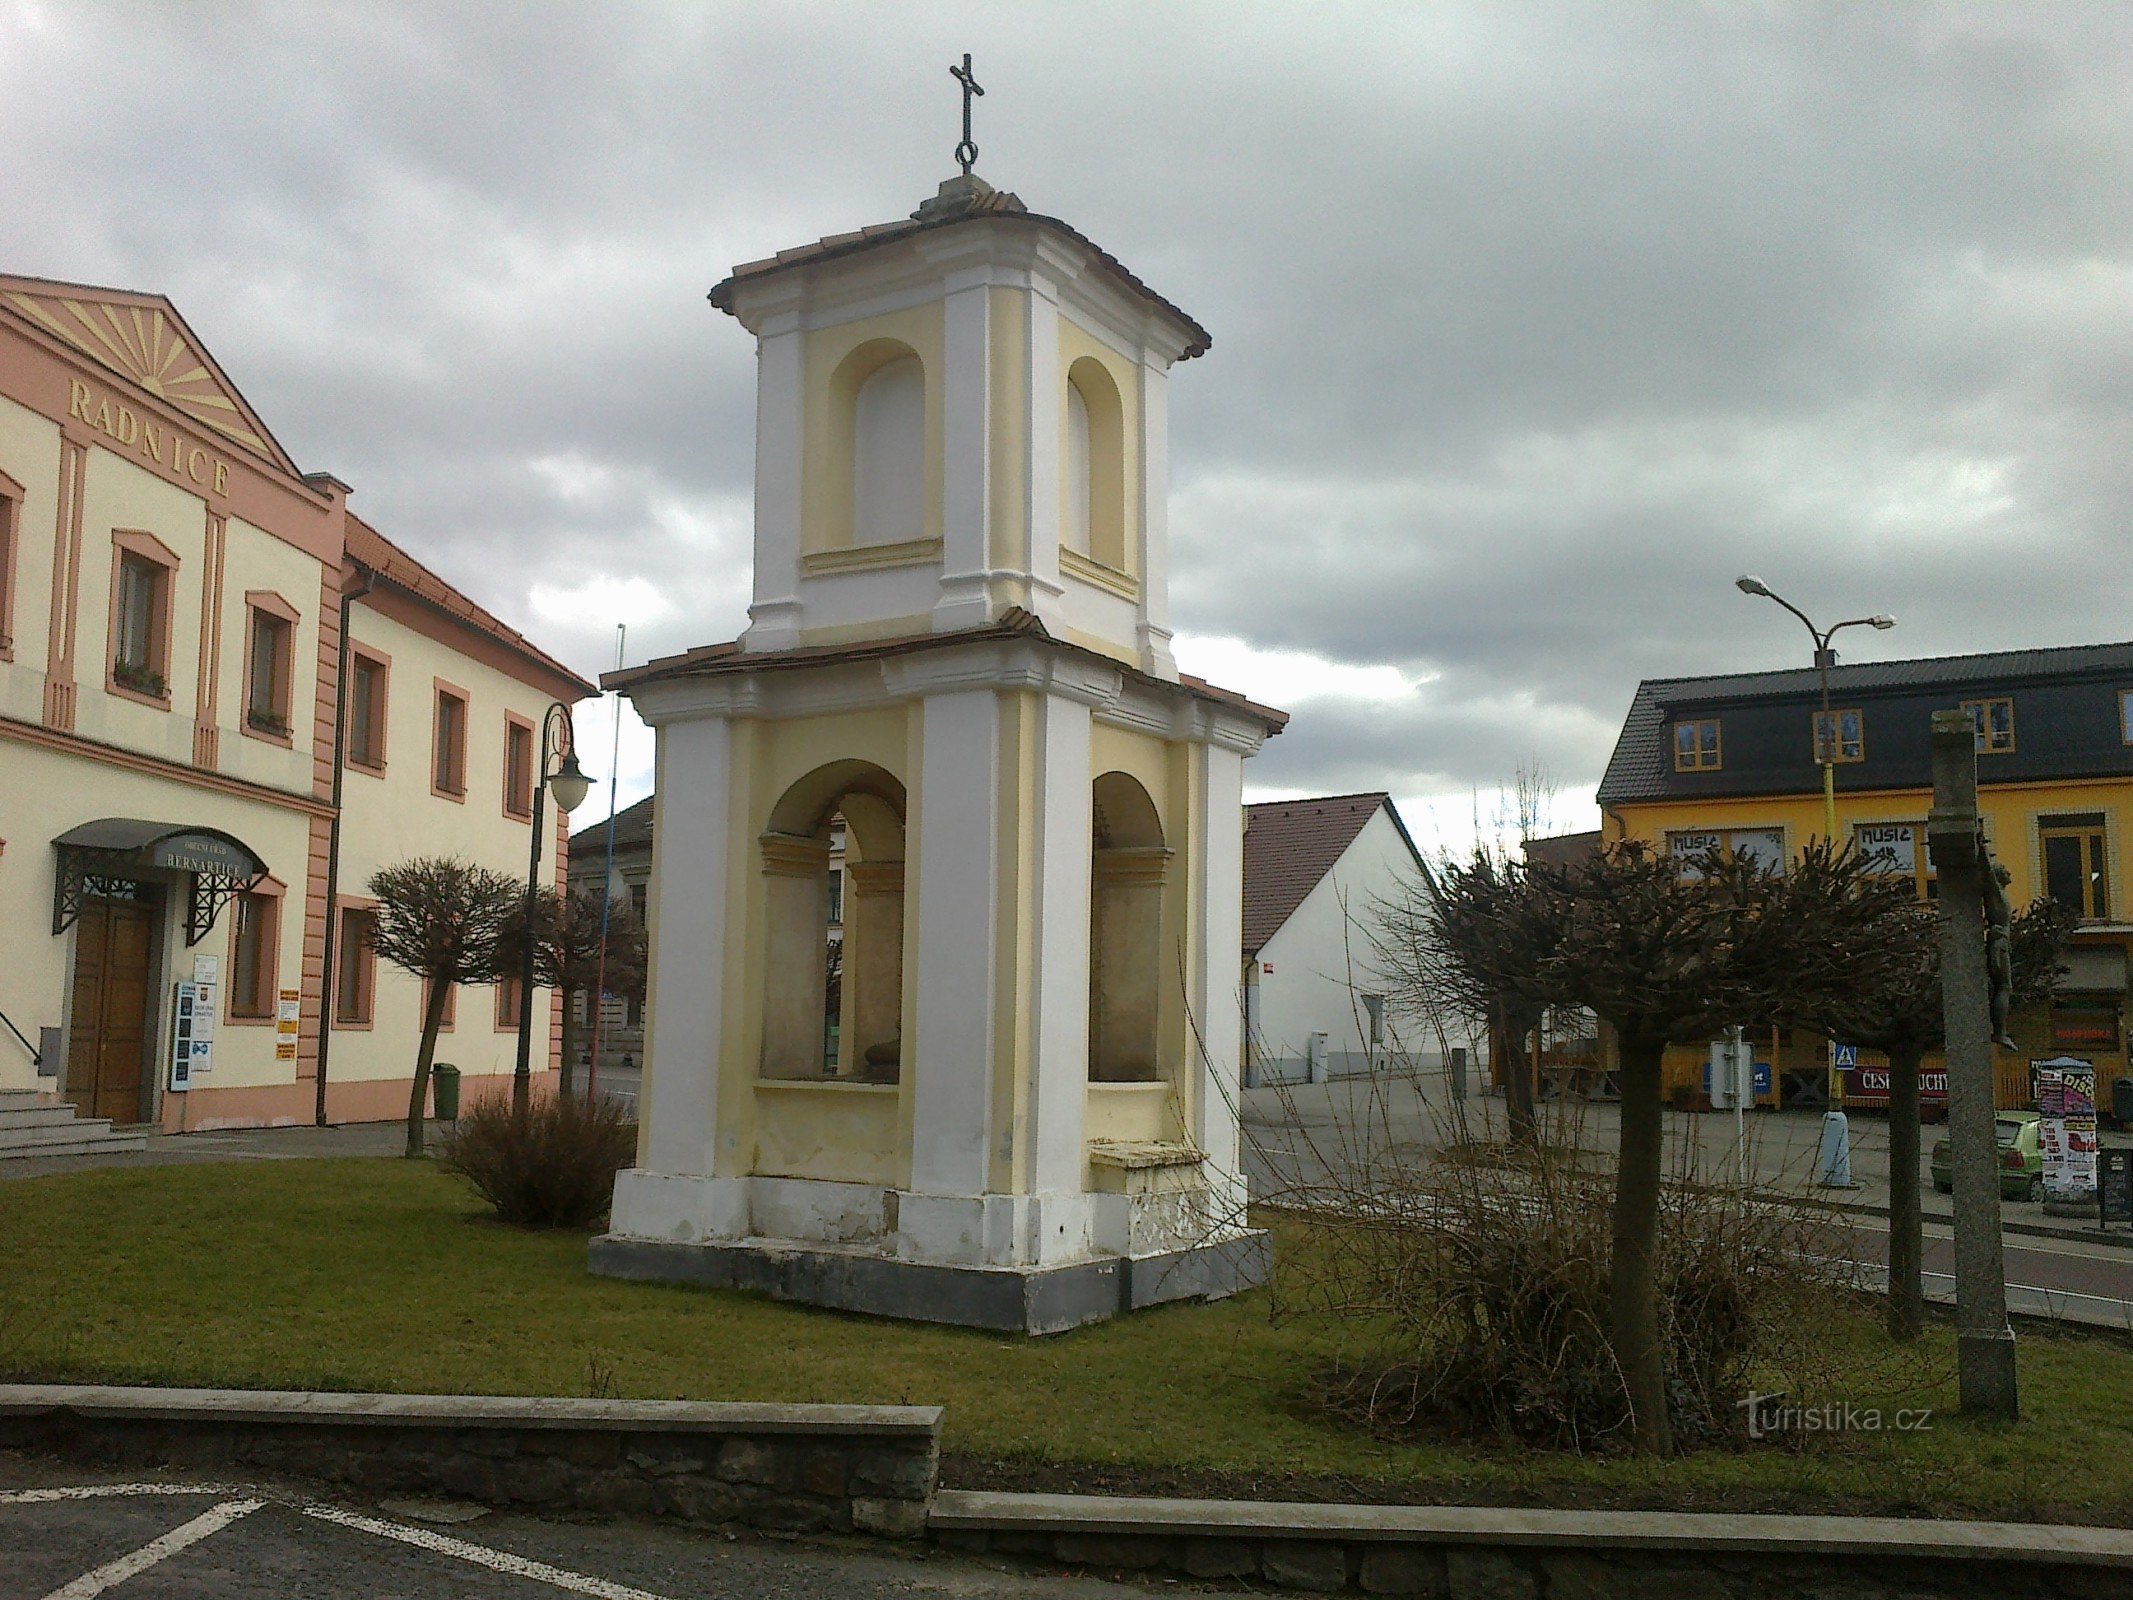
[1534, 324]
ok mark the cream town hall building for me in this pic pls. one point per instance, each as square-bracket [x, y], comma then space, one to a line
[224, 702]
[959, 651]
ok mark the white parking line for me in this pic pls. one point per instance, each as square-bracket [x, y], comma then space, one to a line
[100, 1491]
[480, 1555]
[221, 1516]
[212, 1520]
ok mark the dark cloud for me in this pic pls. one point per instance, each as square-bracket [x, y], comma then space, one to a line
[1534, 324]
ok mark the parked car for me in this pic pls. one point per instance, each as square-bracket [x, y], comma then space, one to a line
[2021, 1161]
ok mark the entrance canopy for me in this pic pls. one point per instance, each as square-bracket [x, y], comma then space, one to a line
[221, 865]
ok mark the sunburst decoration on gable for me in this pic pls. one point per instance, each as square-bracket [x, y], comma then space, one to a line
[140, 343]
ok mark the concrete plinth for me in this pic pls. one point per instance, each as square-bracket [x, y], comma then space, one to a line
[1004, 1299]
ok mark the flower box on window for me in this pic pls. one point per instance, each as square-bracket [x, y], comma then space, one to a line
[141, 680]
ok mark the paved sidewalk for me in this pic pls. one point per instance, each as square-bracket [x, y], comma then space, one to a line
[236, 1144]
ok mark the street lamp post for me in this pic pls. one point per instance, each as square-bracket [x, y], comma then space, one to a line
[570, 785]
[1835, 1160]
[1825, 658]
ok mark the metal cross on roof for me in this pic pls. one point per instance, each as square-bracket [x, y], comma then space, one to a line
[966, 153]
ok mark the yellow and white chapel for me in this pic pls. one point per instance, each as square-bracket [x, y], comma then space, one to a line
[1025, 1115]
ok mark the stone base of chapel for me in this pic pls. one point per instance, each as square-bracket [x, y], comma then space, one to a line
[1004, 1299]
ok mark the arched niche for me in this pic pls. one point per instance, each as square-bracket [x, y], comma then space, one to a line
[1094, 513]
[794, 852]
[882, 386]
[1129, 860]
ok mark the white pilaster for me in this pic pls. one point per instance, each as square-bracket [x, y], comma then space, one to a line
[1045, 468]
[966, 441]
[685, 1010]
[670, 1195]
[950, 1052]
[1059, 926]
[1218, 913]
[774, 615]
[1153, 624]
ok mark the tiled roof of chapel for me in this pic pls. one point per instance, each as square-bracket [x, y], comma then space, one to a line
[972, 200]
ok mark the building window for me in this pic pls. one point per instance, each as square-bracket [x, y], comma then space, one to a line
[367, 678]
[270, 650]
[1696, 746]
[2075, 873]
[1840, 736]
[639, 902]
[140, 616]
[355, 967]
[836, 894]
[508, 993]
[1374, 1013]
[1764, 848]
[1899, 848]
[1994, 722]
[11, 498]
[1094, 513]
[448, 744]
[254, 931]
[2125, 716]
[518, 766]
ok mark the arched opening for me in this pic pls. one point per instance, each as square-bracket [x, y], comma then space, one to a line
[1094, 509]
[1075, 530]
[889, 453]
[849, 814]
[1128, 862]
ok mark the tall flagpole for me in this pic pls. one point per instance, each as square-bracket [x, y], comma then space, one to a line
[607, 881]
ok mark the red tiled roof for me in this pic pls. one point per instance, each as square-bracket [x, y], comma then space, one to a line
[1289, 847]
[370, 549]
[979, 200]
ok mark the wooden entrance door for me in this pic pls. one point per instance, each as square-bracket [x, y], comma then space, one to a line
[107, 1048]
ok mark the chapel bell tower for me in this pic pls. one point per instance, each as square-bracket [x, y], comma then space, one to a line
[958, 415]
[946, 899]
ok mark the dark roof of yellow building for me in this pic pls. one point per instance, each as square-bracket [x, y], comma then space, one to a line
[2067, 723]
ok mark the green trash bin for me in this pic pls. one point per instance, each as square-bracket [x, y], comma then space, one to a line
[444, 1092]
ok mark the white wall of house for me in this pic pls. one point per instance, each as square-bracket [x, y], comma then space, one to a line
[1311, 977]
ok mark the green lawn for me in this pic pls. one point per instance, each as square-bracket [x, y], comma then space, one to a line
[387, 1275]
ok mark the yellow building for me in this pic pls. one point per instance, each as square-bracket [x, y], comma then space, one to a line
[959, 650]
[1729, 762]
[184, 616]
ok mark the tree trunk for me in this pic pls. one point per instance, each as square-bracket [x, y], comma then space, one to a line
[1907, 1305]
[418, 1092]
[570, 1042]
[1632, 1285]
[1507, 1044]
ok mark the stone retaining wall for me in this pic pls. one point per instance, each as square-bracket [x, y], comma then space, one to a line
[1476, 1553]
[865, 1469]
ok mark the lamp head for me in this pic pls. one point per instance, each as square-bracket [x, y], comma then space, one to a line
[569, 785]
[1883, 621]
[1749, 584]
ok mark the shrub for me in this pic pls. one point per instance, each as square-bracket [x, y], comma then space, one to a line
[1473, 1281]
[551, 1166]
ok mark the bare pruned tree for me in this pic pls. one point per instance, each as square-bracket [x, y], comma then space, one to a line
[1664, 951]
[444, 920]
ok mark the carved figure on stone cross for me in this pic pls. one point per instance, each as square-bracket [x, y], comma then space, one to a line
[1999, 948]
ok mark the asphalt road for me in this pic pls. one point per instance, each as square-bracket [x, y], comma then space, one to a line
[69, 1535]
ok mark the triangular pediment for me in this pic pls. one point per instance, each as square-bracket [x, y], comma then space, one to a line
[142, 339]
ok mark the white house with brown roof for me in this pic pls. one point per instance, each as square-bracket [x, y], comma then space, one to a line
[224, 702]
[1316, 1004]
